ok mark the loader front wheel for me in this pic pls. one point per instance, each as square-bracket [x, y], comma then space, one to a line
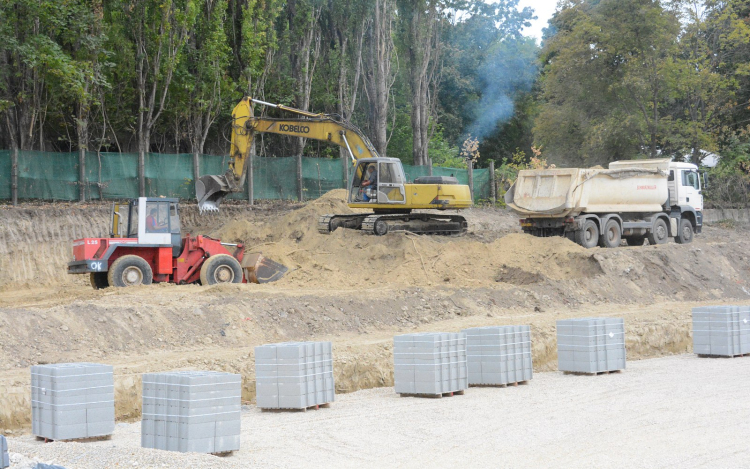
[221, 268]
[99, 280]
[130, 271]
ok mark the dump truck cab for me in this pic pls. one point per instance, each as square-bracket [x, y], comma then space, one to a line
[145, 245]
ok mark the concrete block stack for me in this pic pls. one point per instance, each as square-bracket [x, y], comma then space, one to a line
[72, 401]
[294, 375]
[191, 411]
[498, 355]
[591, 345]
[4, 458]
[430, 363]
[721, 330]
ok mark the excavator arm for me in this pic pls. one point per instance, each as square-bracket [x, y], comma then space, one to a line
[211, 190]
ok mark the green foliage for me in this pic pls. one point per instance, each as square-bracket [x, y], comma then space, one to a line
[443, 153]
[729, 181]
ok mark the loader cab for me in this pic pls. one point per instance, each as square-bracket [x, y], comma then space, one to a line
[153, 221]
[378, 181]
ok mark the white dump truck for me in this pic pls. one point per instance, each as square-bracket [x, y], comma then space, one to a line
[633, 200]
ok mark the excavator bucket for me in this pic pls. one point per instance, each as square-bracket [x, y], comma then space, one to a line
[259, 269]
[210, 191]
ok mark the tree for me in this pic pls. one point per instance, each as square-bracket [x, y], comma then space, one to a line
[606, 80]
[156, 32]
[420, 25]
[380, 75]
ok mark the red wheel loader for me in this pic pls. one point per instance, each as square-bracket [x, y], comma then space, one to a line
[145, 245]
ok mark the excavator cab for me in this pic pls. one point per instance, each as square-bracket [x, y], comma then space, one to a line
[378, 180]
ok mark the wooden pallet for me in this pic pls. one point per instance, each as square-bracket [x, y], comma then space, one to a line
[77, 440]
[305, 409]
[723, 356]
[498, 385]
[434, 396]
[580, 373]
[222, 455]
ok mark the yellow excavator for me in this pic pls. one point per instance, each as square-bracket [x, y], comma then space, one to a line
[378, 184]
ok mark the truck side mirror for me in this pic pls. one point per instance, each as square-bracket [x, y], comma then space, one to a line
[705, 180]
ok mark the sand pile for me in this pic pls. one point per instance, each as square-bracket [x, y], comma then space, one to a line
[352, 259]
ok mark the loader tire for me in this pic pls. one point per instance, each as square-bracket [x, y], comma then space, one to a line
[130, 271]
[99, 280]
[659, 234]
[221, 268]
[685, 233]
[588, 235]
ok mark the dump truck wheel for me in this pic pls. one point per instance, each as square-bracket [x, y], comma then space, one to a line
[611, 236]
[685, 233]
[635, 240]
[98, 280]
[221, 268]
[130, 271]
[659, 234]
[588, 235]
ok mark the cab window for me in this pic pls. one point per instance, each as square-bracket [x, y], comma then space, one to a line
[157, 217]
[690, 178]
[389, 174]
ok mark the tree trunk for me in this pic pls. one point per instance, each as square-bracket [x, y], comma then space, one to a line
[423, 47]
[304, 57]
[379, 77]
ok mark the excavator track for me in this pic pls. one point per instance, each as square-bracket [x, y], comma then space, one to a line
[419, 223]
[328, 223]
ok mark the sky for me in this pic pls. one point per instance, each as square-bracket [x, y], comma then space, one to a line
[543, 10]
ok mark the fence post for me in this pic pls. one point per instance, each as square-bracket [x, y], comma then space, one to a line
[14, 176]
[299, 177]
[493, 187]
[429, 166]
[470, 166]
[196, 167]
[142, 173]
[82, 174]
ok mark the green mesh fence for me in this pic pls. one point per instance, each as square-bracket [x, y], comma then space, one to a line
[54, 176]
[5, 182]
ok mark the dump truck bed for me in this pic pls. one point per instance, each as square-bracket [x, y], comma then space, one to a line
[627, 186]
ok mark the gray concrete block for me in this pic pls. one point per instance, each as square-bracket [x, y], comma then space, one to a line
[721, 330]
[591, 345]
[302, 375]
[4, 459]
[429, 363]
[68, 398]
[182, 410]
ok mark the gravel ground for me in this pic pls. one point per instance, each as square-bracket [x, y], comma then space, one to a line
[679, 411]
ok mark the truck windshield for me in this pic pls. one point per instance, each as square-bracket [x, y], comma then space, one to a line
[690, 178]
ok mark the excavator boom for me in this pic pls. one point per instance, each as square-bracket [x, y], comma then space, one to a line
[211, 190]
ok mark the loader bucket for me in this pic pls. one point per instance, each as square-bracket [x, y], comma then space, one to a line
[210, 191]
[259, 269]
